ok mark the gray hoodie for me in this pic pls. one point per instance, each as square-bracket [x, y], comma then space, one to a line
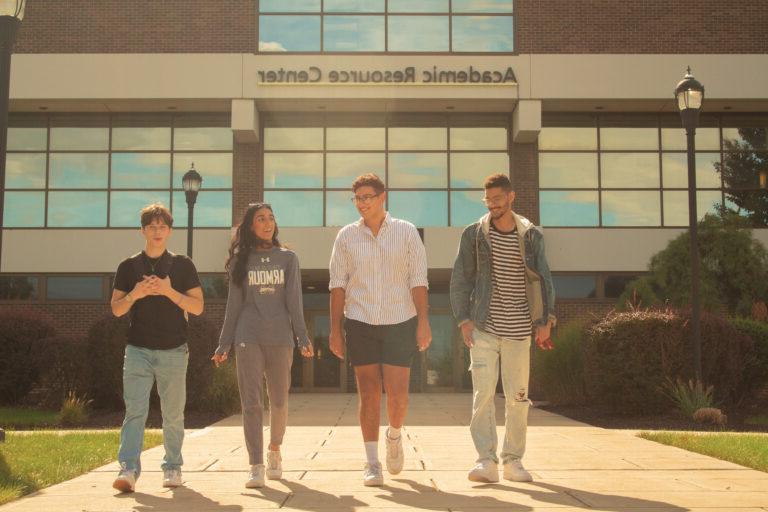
[267, 308]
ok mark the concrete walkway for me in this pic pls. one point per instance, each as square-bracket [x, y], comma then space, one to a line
[575, 466]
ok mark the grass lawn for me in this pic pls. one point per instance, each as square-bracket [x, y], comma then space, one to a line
[12, 417]
[31, 461]
[749, 450]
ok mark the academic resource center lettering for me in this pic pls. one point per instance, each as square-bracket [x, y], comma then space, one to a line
[434, 75]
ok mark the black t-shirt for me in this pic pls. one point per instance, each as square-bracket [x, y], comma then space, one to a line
[156, 322]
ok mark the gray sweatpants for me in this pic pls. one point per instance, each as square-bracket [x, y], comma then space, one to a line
[254, 361]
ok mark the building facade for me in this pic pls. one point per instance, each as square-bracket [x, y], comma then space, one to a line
[287, 100]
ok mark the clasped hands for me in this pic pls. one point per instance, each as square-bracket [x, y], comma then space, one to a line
[152, 285]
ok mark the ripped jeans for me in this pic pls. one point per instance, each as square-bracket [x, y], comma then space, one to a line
[515, 358]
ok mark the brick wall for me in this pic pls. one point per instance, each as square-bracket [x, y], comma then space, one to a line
[246, 179]
[542, 26]
[525, 180]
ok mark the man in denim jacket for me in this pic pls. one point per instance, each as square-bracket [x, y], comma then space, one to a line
[501, 289]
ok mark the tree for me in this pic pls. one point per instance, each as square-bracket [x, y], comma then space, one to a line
[740, 169]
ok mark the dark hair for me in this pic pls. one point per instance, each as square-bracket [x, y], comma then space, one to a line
[156, 211]
[368, 180]
[498, 180]
[243, 242]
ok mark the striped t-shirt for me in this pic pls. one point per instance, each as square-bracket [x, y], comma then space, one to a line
[508, 316]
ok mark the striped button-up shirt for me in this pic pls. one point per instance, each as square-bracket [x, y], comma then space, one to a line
[378, 272]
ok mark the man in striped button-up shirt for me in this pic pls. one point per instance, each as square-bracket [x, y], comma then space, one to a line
[378, 283]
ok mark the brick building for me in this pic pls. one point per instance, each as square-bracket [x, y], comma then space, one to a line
[286, 100]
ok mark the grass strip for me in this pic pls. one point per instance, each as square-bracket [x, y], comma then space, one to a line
[750, 450]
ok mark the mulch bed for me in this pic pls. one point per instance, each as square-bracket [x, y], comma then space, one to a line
[114, 420]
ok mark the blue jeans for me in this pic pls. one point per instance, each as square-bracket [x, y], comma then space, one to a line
[514, 357]
[141, 368]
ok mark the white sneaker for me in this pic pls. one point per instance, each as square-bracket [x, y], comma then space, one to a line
[372, 476]
[125, 481]
[255, 477]
[395, 455]
[485, 471]
[514, 470]
[274, 465]
[172, 478]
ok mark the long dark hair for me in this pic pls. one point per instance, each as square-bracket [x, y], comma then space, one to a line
[243, 242]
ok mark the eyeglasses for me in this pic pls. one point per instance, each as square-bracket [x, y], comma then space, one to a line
[363, 199]
[494, 200]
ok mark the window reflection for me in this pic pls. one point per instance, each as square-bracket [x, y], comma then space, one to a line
[676, 205]
[341, 169]
[18, 288]
[568, 138]
[216, 168]
[296, 208]
[614, 286]
[293, 139]
[353, 33]
[630, 170]
[78, 139]
[675, 170]
[479, 138]
[141, 138]
[418, 138]
[77, 209]
[418, 33]
[466, 207]
[577, 170]
[575, 287]
[409, 6]
[215, 286]
[483, 33]
[79, 170]
[25, 170]
[141, 170]
[293, 170]
[568, 208]
[202, 138]
[631, 208]
[24, 209]
[289, 33]
[469, 170]
[212, 209]
[361, 139]
[499, 6]
[629, 138]
[74, 288]
[27, 139]
[674, 139]
[124, 207]
[289, 5]
[353, 5]
[421, 208]
[748, 137]
[339, 210]
[418, 170]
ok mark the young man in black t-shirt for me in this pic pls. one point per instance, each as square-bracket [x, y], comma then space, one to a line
[158, 289]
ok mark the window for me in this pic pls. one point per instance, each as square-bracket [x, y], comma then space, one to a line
[89, 288]
[483, 26]
[433, 167]
[18, 288]
[99, 171]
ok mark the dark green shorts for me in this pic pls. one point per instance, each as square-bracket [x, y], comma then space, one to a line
[393, 344]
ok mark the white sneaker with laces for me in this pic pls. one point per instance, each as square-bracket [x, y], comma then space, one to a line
[514, 471]
[125, 481]
[372, 476]
[485, 471]
[172, 478]
[395, 455]
[255, 477]
[274, 465]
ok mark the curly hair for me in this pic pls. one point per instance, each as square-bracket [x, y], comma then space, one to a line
[243, 242]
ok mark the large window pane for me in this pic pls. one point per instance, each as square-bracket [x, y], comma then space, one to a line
[568, 208]
[675, 170]
[469, 170]
[289, 5]
[353, 34]
[568, 138]
[629, 138]
[748, 137]
[141, 170]
[575, 287]
[289, 33]
[341, 169]
[124, 207]
[353, 5]
[501, 6]
[141, 138]
[418, 138]
[213, 209]
[215, 168]
[572, 170]
[24, 210]
[676, 205]
[339, 210]
[197, 139]
[214, 286]
[479, 138]
[299, 208]
[483, 34]
[421, 208]
[18, 288]
[635, 208]
[418, 170]
[77, 209]
[466, 207]
[418, 33]
[74, 288]
[293, 170]
[79, 139]
[361, 139]
[614, 286]
[420, 6]
[674, 139]
[289, 139]
[25, 170]
[79, 170]
[27, 139]
[630, 170]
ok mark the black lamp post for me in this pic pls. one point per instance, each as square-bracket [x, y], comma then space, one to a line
[690, 95]
[11, 14]
[191, 182]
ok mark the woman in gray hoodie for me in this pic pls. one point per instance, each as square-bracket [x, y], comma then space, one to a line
[264, 320]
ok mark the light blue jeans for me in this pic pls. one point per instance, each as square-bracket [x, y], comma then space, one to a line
[514, 357]
[141, 368]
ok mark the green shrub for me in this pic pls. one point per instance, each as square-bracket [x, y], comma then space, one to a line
[758, 331]
[74, 410]
[690, 396]
[629, 356]
[223, 395]
[64, 367]
[560, 372]
[638, 293]
[203, 339]
[20, 337]
[106, 350]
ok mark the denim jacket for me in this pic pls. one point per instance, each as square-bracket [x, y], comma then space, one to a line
[471, 285]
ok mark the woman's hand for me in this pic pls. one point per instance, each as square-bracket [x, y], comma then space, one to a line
[219, 359]
[307, 351]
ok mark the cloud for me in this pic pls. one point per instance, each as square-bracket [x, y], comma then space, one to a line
[271, 46]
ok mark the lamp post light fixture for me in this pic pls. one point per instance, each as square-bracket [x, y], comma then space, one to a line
[191, 182]
[689, 94]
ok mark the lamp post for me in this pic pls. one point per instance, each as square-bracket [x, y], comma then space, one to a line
[191, 182]
[689, 94]
[11, 14]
